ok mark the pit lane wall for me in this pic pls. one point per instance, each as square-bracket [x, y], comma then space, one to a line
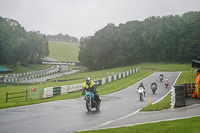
[61, 90]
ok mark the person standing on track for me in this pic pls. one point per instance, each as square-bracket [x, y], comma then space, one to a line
[197, 86]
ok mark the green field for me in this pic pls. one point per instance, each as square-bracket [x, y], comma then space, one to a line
[64, 51]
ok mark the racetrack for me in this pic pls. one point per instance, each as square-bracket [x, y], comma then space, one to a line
[71, 115]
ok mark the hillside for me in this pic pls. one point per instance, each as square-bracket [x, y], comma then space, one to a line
[64, 51]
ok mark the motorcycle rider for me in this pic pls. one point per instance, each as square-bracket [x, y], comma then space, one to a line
[141, 85]
[161, 76]
[90, 85]
[154, 83]
[166, 82]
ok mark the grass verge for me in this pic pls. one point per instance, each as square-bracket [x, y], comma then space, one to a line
[189, 125]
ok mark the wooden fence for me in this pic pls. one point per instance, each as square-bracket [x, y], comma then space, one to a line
[23, 92]
[189, 89]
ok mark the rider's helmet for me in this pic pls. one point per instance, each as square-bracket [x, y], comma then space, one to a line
[167, 80]
[88, 80]
[154, 81]
[141, 84]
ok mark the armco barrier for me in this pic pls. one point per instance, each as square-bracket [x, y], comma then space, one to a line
[64, 89]
[114, 77]
[103, 81]
[53, 91]
[109, 79]
[76, 87]
[48, 92]
[17, 77]
[56, 91]
[117, 77]
[100, 82]
[120, 76]
[106, 80]
[124, 74]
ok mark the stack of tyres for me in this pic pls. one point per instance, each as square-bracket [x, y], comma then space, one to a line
[179, 96]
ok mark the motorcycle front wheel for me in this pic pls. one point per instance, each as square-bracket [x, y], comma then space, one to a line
[88, 105]
[153, 90]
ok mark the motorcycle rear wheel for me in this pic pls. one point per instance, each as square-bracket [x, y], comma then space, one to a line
[141, 97]
[98, 106]
[153, 91]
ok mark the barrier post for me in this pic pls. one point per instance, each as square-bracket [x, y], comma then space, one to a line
[26, 95]
[6, 97]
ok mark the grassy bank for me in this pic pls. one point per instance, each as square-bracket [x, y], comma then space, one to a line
[64, 51]
[190, 125]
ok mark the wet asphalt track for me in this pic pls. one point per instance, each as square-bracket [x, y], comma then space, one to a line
[71, 115]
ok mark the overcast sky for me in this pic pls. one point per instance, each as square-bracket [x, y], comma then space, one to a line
[80, 18]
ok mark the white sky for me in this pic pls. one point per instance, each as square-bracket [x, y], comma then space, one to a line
[80, 18]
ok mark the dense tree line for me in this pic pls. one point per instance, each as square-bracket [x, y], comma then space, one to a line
[17, 46]
[63, 38]
[156, 39]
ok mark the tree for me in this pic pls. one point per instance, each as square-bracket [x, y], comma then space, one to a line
[18, 46]
[156, 39]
